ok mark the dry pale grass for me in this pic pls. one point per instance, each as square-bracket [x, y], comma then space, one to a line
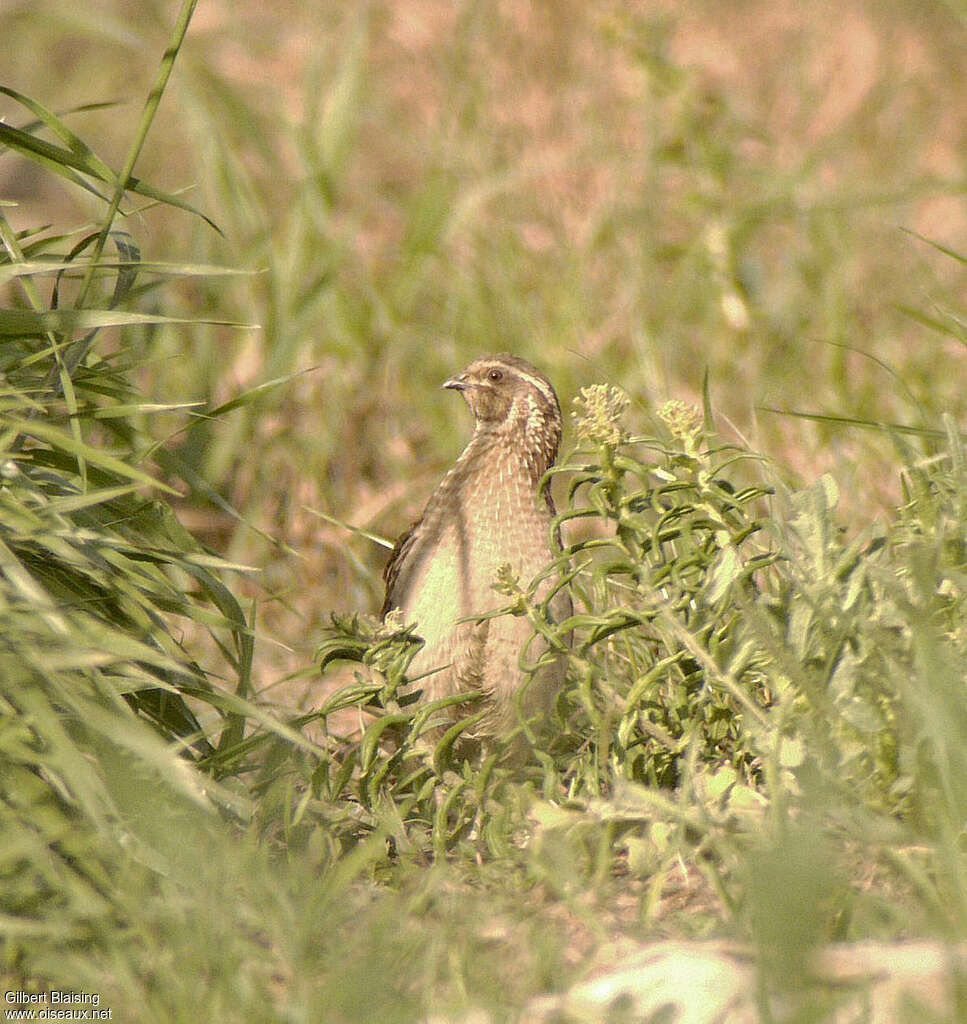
[628, 192]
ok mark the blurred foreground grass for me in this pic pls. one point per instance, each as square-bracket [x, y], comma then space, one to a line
[632, 197]
[764, 733]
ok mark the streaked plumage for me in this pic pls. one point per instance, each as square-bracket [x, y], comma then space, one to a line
[487, 511]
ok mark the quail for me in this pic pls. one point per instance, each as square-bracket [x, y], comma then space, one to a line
[490, 510]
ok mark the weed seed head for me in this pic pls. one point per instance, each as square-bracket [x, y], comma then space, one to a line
[597, 414]
[684, 421]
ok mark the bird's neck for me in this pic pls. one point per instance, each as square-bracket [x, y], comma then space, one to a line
[490, 451]
[488, 468]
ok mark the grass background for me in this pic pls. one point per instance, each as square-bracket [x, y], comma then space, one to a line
[639, 195]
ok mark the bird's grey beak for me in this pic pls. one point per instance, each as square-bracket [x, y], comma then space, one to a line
[458, 383]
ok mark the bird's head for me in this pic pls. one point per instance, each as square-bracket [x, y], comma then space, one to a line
[514, 402]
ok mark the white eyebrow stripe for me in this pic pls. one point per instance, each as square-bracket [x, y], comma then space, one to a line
[540, 384]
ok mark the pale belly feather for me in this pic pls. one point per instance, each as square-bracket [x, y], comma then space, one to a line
[447, 579]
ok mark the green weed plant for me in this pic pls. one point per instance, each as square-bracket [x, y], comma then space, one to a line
[763, 724]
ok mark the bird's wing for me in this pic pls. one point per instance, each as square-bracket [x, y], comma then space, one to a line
[391, 571]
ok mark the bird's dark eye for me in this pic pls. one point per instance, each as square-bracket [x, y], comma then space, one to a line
[495, 376]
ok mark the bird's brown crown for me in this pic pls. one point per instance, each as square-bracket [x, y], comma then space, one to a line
[512, 402]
